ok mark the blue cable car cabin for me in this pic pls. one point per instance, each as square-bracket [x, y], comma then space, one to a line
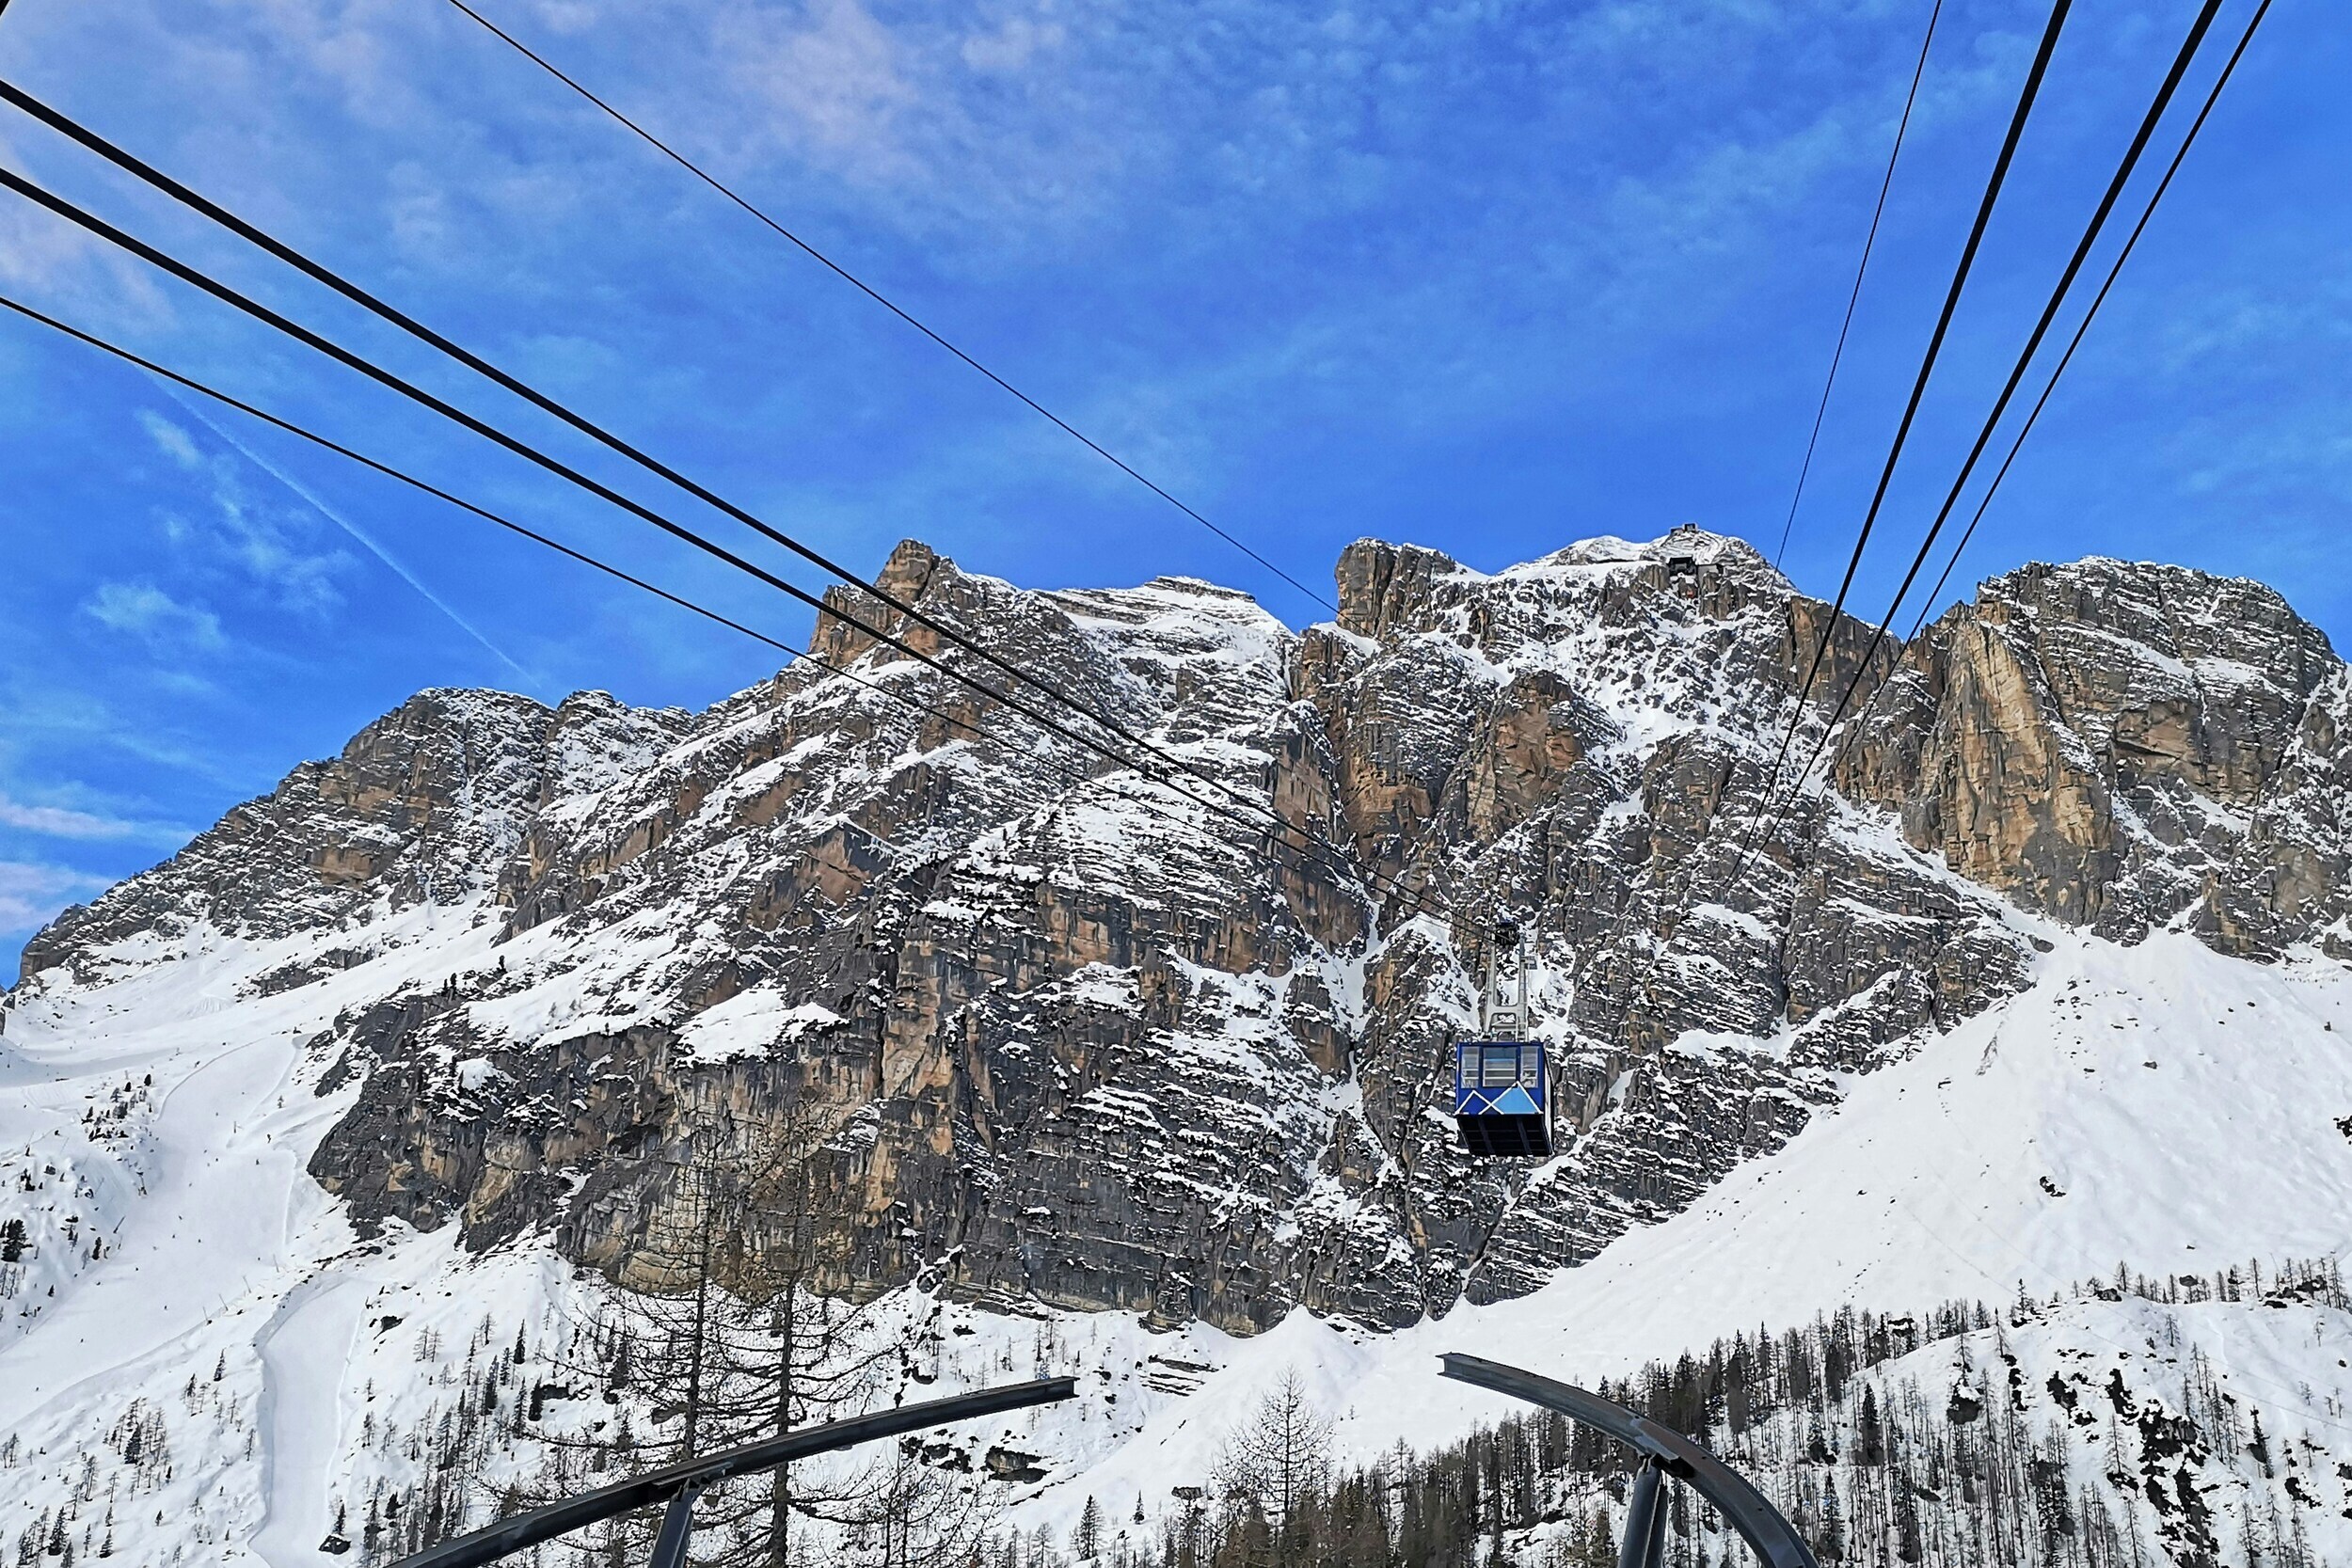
[1501, 1099]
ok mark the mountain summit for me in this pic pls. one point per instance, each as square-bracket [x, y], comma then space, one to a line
[1109, 1041]
[1086, 1037]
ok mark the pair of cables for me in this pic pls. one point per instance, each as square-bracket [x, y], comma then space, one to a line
[1775, 810]
[1766, 816]
[2093, 229]
[1078, 722]
[846, 671]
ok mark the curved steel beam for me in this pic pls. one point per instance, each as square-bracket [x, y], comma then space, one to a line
[1773, 1540]
[521, 1530]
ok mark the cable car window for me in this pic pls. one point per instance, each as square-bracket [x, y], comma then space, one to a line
[1502, 1067]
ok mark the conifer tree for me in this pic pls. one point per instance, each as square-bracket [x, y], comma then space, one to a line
[734, 1325]
[1275, 1459]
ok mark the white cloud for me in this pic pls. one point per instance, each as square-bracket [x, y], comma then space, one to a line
[177, 444]
[40, 250]
[1009, 47]
[264, 542]
[144, 611]
[50, 263]
[318, 503]
[31, 892]
[566, 16]
[265, 547]
[68, 822]
[417, 211]
[62, 822]
[839, 79]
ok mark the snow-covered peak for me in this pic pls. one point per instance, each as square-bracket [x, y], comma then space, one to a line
[1687, 545]
[1157, 1045]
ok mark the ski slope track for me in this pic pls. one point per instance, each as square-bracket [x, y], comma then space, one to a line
[310, 1124]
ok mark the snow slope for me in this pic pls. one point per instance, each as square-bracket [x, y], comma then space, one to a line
[1926, 1183]
[2159, 1105]
[220, 1254]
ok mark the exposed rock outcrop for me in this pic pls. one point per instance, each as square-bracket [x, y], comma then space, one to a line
[1104, 1035]
[2122, 747]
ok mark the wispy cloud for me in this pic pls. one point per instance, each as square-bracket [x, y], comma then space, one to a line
[175, 442]
[53, 721]
[836, 82]
[69, 822]
[143, 611]
[32, 893]
[319, 504]
[1010, 46]
[258, 542]
[42, 252]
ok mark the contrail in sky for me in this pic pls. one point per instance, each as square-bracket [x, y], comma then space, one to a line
[318, 505]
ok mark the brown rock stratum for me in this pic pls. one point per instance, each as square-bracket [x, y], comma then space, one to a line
[1073, 1037]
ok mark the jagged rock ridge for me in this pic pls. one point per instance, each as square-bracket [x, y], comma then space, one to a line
[1083, 1040]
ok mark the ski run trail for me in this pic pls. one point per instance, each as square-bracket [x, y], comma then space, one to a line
[2159, 1106]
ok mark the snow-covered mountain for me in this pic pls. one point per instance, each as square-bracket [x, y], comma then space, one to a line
[1116, 1079]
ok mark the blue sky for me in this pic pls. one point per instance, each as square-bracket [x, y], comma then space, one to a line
[1490, 276]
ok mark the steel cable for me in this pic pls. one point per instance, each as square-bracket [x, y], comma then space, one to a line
[222, 291]
[65, 125]
[2182, 60]
[1752, 840]
[427, 487]
[877, 295]
[1869, 242]
[1999, 177]
[2090, 315]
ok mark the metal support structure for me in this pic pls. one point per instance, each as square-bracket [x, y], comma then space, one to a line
[678, 1525]
[1664, 1452]
[1502, 1010]
[676, 1484]
[1644, 1521]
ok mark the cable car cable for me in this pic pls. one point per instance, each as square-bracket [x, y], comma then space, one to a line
[2114, 270]
[330, 444]
[426, 486]
[2147, 212]
[2092, 229]
[877, 296]
[1750, 836]
[1869, 242]
[1773, 814]
[65, 125]
[100, 227]
[2028, 92]
[1750, 839]
[1274, 822]
[2024, 110]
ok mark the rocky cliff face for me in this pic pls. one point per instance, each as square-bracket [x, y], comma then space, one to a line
[427, 802]
[1095, 1035]
[2124, 747]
